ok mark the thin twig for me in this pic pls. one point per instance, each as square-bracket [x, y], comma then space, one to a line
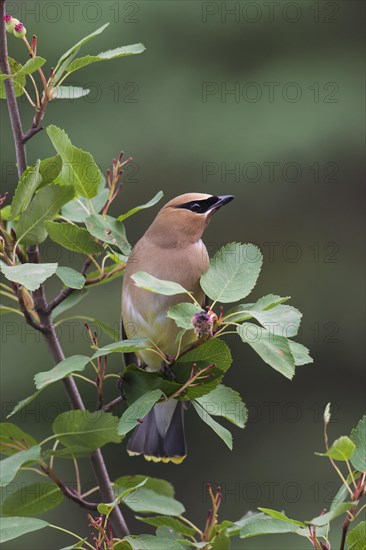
[112, 404]
[28, 317]
[15, 121]
[67, 291]
[190, 347]
[40, 301]
[69, 493]
[345, 528]
[31, 132]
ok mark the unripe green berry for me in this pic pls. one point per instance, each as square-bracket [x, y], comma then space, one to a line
[10, 22]
[19, 30]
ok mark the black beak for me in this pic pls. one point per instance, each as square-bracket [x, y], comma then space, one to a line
[225, 199]
[222, 200]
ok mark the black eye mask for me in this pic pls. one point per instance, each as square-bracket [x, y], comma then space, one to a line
[200, 206]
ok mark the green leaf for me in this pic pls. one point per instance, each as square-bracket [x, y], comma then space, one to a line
[243, 311]
[300, 354]
[9, 466]
[183, 314]
[274, 350]
[12, 528]
[221, 542]
[90, 430]
[269, 301]
[159, 286]
[31, 276]
[44, 206]
[79, 167]
[358, 436]
[50, 169]
[157, 485]
[147, 501]
[19, 81]
[106, 509]
[124, 346]
[225, 402]
[233, 272]
[10, 434]
[266, 525]
[138, 382]
[341, 449]
[280, 320]
[122, 545]
[5, 213]
[28, 183]
[234, 528]
[70, 277]
[222, 432]
[338, 510]
[70, 92]
[170, 522]
[109, 231]
[73, 238]
[152, 542]
[122, 51]
[342, 493]
[213, 351]
[356, 539]
[137, 411]
[79, 210]
[280, 515]
[24, 403]
[71, 301]
[31, 66]
[133, 211]
[32, 500]
[76, 363]
[68, 56]
[80, 545]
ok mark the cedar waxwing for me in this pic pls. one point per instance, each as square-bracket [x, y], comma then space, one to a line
[171, 249]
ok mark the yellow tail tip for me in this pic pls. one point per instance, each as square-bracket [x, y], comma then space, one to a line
[164, 459]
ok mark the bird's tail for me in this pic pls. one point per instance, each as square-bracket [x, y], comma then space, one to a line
[160, 436]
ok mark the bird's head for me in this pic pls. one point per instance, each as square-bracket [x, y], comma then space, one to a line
[184, 218]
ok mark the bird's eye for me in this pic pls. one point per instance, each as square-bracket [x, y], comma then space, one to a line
[195, 207]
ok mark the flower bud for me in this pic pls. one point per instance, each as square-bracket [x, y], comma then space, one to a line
[327, 414]
[10, 22]
[202, 324]
[19, 30]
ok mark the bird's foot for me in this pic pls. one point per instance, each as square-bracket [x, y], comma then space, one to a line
[120, 386]
[167, 371]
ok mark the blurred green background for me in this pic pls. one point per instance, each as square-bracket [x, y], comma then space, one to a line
[288, 143]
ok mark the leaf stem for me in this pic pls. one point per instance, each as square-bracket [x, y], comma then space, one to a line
[90, 492]
[351, 473]
[26, 469]
[77, 476]
[8, 295]
[190, 524]
[84, 378]
[333, 463]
